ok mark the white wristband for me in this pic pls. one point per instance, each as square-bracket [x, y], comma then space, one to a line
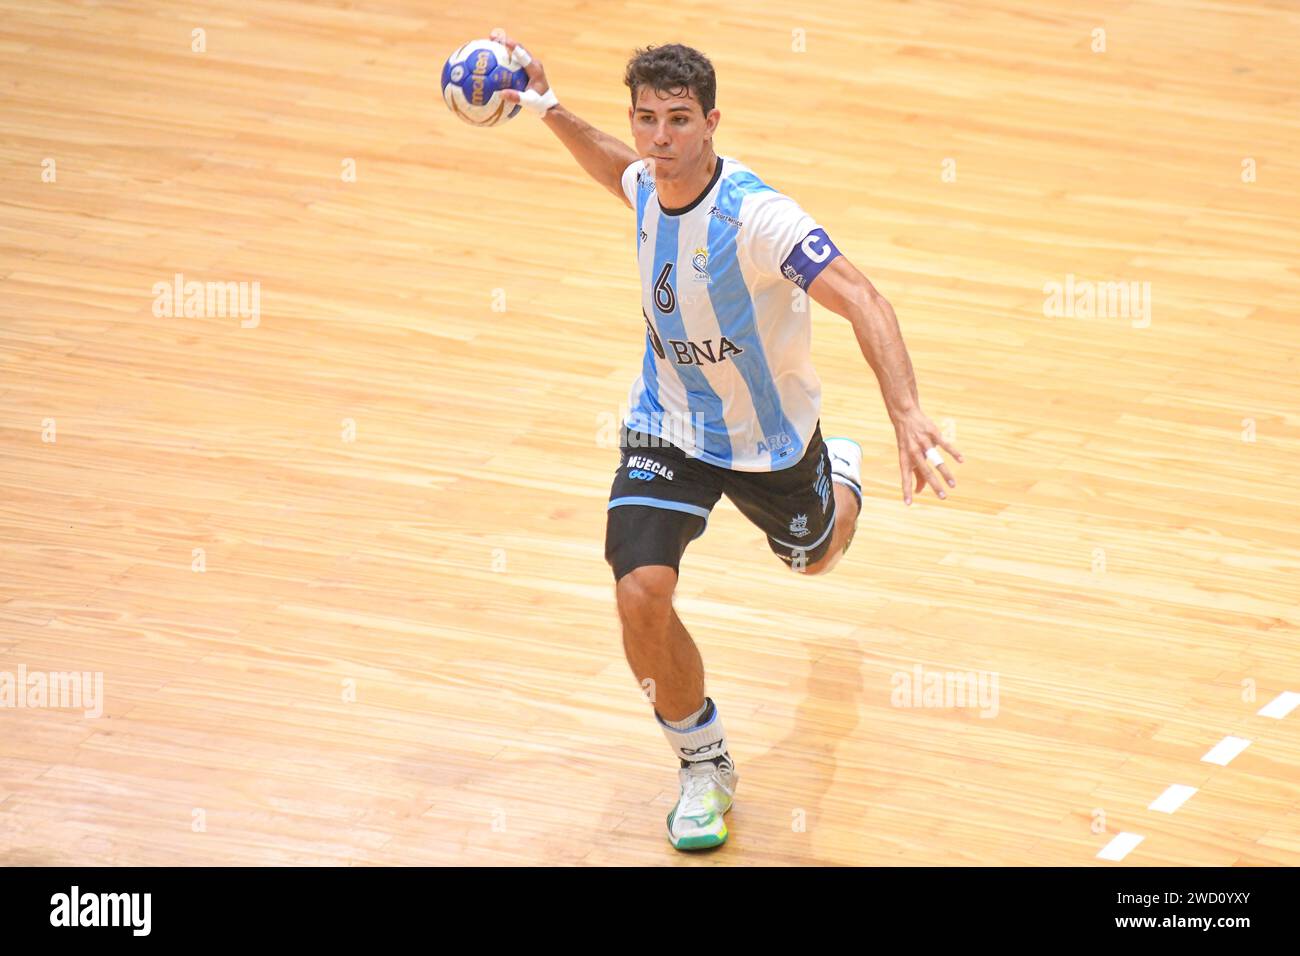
[539, 103]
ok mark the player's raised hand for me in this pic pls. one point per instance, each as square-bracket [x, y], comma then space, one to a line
[919, 442]
[537, 82]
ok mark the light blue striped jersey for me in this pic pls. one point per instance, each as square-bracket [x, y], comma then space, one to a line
[727, 373]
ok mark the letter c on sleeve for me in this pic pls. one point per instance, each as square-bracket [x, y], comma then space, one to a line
[806, 261]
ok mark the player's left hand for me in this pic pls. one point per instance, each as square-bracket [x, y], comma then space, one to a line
[916, 435]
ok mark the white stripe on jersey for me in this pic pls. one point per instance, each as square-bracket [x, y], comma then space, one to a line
[727, 372]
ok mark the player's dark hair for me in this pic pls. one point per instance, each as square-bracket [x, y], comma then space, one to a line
[673, 69]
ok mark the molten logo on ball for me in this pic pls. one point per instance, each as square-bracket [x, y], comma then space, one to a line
[473, 79]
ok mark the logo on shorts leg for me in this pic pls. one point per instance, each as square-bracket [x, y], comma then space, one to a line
[645, 469]
[823, 483]
[799, 526]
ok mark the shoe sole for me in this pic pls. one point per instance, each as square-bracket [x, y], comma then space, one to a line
[701, 842]
[706, 841]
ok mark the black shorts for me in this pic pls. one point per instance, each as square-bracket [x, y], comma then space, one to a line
[661, 499]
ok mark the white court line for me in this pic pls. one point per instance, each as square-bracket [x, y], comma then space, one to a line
[1227, 748]
[1280, 706]
[1174, 797]
[1120, 846]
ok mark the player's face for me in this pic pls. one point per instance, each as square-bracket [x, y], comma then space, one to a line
[673, 130]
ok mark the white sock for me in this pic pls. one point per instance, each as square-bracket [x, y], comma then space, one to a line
[686, 723]
[694, 743]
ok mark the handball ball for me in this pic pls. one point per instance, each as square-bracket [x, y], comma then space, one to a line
[473, 78]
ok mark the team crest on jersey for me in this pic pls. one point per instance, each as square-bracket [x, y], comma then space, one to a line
[799, 526]
[701, 263]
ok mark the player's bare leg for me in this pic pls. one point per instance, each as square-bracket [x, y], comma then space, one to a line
[846, 474]
[846, 524]
[659, 649]
[666, 662]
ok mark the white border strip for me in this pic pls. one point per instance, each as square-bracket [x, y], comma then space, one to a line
[1174, 797]
[1280, 706]
[1120, 846]
[1227, 748]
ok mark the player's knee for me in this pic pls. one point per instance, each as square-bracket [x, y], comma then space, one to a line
[645, 595]
[821, 566]
[816, 567]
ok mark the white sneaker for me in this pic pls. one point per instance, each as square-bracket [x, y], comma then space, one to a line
[708, 789]
[846, 463]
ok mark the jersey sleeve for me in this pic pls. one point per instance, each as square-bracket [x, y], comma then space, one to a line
[786, 242]
[629, 180]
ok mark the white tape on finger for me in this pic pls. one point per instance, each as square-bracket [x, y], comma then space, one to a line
[539, 103]
[521, 56]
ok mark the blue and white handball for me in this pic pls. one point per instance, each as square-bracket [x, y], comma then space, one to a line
[474, 77]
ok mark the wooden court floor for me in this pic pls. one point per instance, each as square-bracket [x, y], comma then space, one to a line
[330, 568]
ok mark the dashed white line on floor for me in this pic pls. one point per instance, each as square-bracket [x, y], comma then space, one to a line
[1227, 748]
[1173, 798]
[1280, 706]
[1120, 846]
